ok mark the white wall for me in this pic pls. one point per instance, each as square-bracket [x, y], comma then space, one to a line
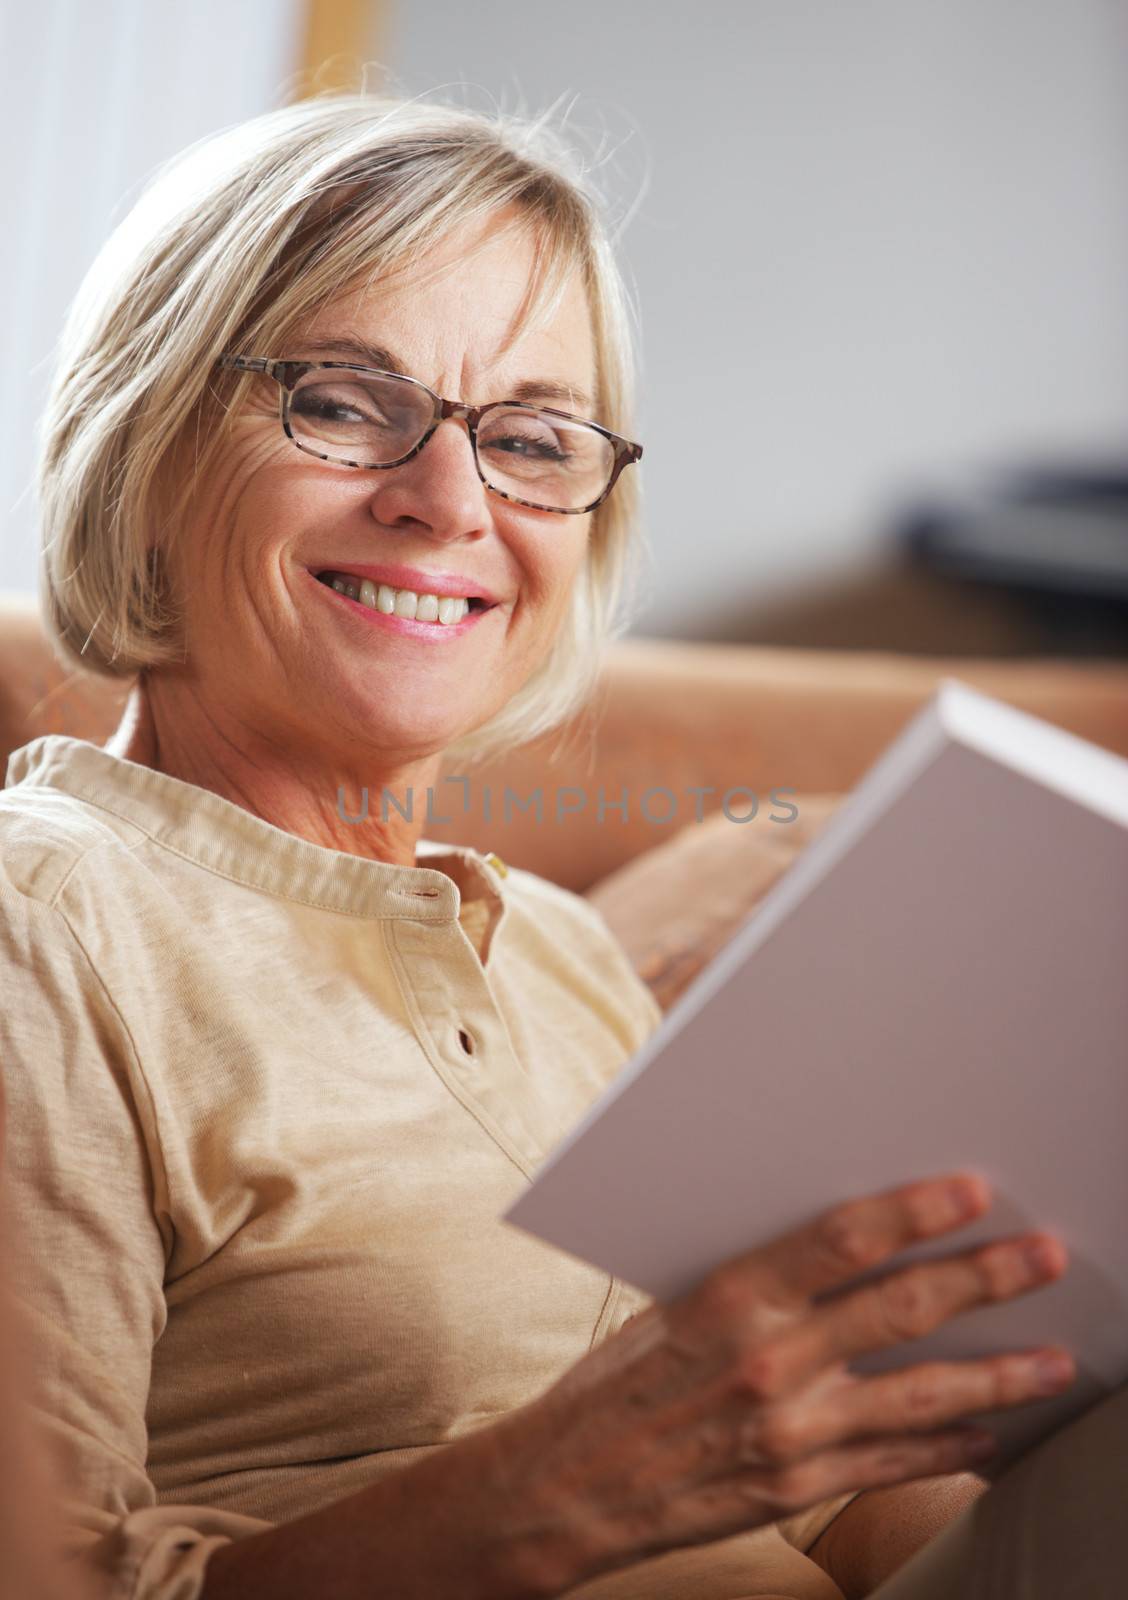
[93, 95]
[880, 237]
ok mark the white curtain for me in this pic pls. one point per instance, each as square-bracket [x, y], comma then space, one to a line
[95, 94]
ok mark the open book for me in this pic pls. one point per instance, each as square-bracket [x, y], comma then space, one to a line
[940, 982]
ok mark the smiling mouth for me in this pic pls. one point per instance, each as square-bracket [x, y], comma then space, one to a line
[443, 610]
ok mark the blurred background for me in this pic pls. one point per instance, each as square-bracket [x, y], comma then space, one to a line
[879, 253]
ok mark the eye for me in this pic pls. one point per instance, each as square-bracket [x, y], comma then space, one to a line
[366, 416]
[340, 407]
[532, 440]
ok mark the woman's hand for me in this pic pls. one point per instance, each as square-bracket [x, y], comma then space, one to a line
[732, 1406]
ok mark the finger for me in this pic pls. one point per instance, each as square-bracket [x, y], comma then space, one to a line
[920, 1399]
[743, 1498]
[914, 1301]
[861, 1234]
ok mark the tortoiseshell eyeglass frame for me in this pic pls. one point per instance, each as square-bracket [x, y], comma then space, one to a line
[288, 373]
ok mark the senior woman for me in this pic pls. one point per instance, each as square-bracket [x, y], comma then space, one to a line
[337, 467]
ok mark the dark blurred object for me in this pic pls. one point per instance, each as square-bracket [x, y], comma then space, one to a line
[893, 607]
[1054, 538]
[1027, 563]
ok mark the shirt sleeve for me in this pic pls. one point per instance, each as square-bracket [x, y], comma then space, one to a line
[89, 1230]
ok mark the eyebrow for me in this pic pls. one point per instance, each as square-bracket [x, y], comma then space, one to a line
[529, 390]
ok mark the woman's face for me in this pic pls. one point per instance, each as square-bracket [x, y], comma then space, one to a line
[275, 652]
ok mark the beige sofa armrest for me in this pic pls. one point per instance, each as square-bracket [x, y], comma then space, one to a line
[673, 907]
[687, 717]
[667, 715]
[38, 694]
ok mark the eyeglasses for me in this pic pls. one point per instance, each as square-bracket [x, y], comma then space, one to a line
[362, 417]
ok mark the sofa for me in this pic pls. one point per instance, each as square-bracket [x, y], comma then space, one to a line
[720, 728]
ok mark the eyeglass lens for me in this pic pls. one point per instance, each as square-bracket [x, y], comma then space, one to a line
[531, 455]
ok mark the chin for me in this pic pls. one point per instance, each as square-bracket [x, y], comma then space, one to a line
[361, 721]
[414, 738]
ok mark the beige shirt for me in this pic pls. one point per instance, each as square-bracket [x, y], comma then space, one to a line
[266, 1104]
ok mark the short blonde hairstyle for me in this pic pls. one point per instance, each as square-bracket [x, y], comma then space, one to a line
[232, 246]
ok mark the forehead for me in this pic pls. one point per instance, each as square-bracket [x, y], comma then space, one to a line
[461, 318]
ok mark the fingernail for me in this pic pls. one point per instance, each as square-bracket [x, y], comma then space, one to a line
[1041, 1257]
[1052, 1372]
[963, 1198]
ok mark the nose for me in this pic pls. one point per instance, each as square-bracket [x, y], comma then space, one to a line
[438, 492]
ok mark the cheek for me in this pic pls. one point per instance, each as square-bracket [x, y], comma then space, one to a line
[570, 569]
[553, 560]
[241, 521]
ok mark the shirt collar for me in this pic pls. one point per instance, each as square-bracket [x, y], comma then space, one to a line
[222, 837]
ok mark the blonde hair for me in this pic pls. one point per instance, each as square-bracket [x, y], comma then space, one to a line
[232, 246]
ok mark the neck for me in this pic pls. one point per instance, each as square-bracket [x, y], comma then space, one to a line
[305, 791]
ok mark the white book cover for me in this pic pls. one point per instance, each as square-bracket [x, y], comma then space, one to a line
[940, 982]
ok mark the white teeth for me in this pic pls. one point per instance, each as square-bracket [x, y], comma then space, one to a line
[445, 609]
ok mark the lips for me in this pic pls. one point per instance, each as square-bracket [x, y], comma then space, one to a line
[420, 617]
[453, 584]
[348, 583]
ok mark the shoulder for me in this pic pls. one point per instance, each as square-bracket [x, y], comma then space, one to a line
[46, 834]
[58, 1017]
[69, 883]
